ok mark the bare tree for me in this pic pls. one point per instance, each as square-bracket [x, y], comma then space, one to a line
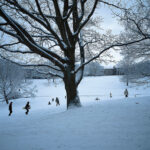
[11, 78]
[127, 68]
[138, 73]
[45, 27]
[136, 20]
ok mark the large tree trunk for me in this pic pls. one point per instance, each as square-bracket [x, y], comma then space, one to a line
[71, 91]
[70, 79]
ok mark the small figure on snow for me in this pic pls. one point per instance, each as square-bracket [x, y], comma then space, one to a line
[126, 93]
[52, 99]
[27, 107]
[57, 101]
[110, 95]
[49, 103]
[10, 108]
[97, 99]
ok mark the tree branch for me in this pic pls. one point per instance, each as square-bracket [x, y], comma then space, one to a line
[51, 73]
[107, 48]
[30, 65]
[87, 19]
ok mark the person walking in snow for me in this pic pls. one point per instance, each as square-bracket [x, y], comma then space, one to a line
[110, 95]
[10, 108]
[27, 107]
[126, 93]
[57, 101]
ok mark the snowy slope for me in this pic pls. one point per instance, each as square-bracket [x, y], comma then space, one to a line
[109, 124]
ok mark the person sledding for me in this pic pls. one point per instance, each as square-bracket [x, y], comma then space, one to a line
[27, 107]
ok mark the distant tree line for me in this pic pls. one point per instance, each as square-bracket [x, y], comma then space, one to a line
[91, 69]
[138, 72]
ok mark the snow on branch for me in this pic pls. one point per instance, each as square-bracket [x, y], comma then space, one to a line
[113, 5]
[44, 23]
[17, 51]
[87, 19]
[30, 65]
[82, 58]
[107, 48]
[9, 33]
[29, 42]
[50, 73]
[10, 44]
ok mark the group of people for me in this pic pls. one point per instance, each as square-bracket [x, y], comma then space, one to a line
[56, 100]
[27, 107]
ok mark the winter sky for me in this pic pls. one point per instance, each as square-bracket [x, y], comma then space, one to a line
[110, 23]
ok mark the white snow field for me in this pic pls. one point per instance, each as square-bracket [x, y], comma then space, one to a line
[115, 123]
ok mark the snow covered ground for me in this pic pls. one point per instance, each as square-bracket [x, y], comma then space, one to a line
[115, 123]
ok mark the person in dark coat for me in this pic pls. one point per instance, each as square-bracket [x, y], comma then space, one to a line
[97, 99]
[27, 107]
[49, 103]
[57, 101]
[126, 93]
[110, 95]
[10, 108]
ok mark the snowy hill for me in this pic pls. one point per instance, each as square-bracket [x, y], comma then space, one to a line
[115, 123]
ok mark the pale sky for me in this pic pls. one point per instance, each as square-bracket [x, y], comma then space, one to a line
[110, 22]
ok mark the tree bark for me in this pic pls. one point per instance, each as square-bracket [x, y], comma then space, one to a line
[71, 91]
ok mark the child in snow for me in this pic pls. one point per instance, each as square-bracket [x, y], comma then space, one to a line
[49, 103]
[27, 107]
[126, 93]
[110, 95]
[57, 101]
[97, 99]
[10, 108]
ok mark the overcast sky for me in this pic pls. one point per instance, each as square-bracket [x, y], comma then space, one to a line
[110, 22]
